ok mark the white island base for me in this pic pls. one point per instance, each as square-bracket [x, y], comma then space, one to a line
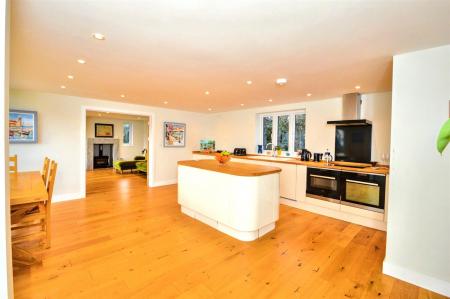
[235, 233]
[245, 207]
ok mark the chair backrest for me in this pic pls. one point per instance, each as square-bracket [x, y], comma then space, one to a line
[45, 170]
[51, 180]
[13, 164]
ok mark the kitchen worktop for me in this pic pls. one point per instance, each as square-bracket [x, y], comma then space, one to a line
[232, 168]
[291, 160]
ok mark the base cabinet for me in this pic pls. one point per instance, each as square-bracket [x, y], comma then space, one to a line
[293, 180]
[300, 189]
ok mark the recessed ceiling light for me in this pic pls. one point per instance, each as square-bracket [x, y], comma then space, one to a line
[270, 100]
[98, 36]
[70, 77]
[81, 61]
[242, 105]
[166, 102]
[249, 82]
[281, 81]
[122, 95]
[63, 86]
[209, 109]
[99, 114]
[107, 112]
[309, 94]
[357, 87]
[207, 92]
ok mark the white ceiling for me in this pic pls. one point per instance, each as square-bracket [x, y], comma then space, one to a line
[174, 51]
[111, 115]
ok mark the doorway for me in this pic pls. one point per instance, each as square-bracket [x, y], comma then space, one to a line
[117, 144]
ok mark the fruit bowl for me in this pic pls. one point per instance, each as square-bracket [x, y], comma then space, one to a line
[222, 159]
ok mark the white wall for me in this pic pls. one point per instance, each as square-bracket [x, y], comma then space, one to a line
[376, 107]
[418, 227]
[60, 126]
[140, 133]
[238, 128]
[6, 277]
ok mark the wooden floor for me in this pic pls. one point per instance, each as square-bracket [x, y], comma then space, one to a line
[129, 241]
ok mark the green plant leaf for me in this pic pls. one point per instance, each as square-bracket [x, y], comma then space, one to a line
[443, 137]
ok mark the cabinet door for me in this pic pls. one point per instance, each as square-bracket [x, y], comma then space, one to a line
[300, 190]
[288, 177]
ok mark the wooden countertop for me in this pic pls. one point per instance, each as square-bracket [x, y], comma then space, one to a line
[232, 168]
[290, 160]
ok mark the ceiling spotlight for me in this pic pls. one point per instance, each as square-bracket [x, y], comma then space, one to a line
[357, 87]
[309, 94]
[270, 100]
[81, 61]
[165, 102]
[242, 105]
[207, 92]
[281, 81]
[99, 114]
[122, 95]
[70, 77]
[249, 82]
[63, 86]
[98, 36]
[209, 109]
[107, 112]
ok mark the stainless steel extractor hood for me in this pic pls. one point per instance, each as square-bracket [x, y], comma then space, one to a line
[351, 111]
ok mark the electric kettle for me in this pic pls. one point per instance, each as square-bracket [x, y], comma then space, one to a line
[305, 155]
[327, 157]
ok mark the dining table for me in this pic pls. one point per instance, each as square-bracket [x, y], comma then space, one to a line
[26, 188]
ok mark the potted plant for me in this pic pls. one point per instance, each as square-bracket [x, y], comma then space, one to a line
[223, 157]
[278, 149]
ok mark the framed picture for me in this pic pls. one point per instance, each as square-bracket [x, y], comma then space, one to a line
[23, 126]
[174, 134]
[104, 130]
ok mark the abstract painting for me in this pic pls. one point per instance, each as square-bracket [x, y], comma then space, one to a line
[174, 134]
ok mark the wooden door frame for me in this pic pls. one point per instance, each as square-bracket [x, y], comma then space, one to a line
[150, 148]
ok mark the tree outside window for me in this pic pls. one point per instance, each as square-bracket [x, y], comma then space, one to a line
[283, 129]
[127, 134]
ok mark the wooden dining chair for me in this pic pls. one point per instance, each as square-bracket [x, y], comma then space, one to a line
[45, 169]
[26, 218]
[13, 164]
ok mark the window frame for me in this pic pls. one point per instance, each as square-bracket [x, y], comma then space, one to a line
[130, 140]
[291, 117]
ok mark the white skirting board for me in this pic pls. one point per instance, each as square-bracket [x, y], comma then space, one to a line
[66, 197]
[424, 281]
[334, 210]
[164, 183]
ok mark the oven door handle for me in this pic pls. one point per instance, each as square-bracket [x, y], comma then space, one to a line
[323, 177]
[363, 183]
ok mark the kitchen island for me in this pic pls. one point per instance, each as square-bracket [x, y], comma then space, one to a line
[239, 199]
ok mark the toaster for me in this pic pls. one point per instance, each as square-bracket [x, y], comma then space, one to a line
[239, 151]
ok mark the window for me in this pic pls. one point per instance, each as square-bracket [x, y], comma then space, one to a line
[283, 132]
[267, 130]
[127, 134]
[283, 129]
[299, 142]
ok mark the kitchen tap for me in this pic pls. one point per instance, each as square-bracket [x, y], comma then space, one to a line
[273, 152]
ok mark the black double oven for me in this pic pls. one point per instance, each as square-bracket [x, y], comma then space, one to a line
[356, 189]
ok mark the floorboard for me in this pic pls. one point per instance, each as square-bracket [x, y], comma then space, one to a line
[126, 240]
